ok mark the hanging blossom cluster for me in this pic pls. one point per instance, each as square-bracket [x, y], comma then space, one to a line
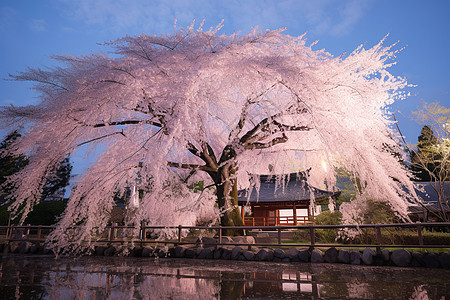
[196, 106]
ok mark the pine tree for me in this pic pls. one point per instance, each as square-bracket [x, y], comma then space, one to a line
[9, 164]
[53, 190]
[431, 161]
[424, 160]
[55, 186]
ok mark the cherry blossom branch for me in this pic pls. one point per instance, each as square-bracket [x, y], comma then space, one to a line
[208, 155]
[273, 142]
[244, 111]
[39, 76]
[264, 126]
[101, 137]
[123, 70]
[126, 122]
[191, 166]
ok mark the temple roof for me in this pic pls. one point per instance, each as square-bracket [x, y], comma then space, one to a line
[294, 189]
[430, 197]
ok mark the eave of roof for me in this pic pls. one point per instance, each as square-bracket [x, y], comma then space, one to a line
[294, 190]
[427, 193]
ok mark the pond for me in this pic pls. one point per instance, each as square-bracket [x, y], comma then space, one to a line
[44, 277]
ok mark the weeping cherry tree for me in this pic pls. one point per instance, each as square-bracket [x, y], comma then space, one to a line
[198, 106]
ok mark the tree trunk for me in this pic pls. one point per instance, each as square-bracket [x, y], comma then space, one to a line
[222, 173]
[227, 200]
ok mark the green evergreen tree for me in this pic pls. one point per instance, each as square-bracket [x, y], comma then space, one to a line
[424, 161]
[431, 160]
[9, 164]
[54, 185]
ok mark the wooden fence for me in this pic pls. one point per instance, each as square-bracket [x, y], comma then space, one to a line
[121, 235]
[278, 221]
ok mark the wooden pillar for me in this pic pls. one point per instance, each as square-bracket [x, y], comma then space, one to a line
[295, 214]
[419, 233]
[144, 231]
[179, 234]
[110, 229]
[312, 237]
[243, 213]
[379, 239]
[309, 212]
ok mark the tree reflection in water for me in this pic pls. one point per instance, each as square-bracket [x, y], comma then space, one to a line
[43, 277]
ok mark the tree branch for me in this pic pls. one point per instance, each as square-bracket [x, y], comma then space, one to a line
[110, 81]
[191, 166]
[101, 137]
[273, 142]
[284, 127]
[208, 155]
[126, 122]
[191, 148]
[244, 111]
[123, 70]
[264, 125]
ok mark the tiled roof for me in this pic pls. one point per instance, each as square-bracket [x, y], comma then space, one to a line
[429, 196]
[293, 189]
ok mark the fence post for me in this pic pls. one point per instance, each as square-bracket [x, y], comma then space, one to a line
[112, 232]
[144, 230]
[12, 229]
[110, 229]
[249, 246]
[419, 232]
[7, 232]
[379, 238]
[220, 234]
[279, 236]
[142, 233]
[28, 230]
[179, 233]
[312, 237]
[39, 233]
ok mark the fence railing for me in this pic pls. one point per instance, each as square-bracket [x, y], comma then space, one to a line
[30, 233]
[278, 221]
[186, 235]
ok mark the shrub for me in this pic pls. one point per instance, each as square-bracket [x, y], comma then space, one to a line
[378, 213]
[322, 235]
[46, 212]
[328, 218]
[301, 235]
[401, 236]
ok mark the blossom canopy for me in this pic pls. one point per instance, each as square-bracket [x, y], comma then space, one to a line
[171, 111]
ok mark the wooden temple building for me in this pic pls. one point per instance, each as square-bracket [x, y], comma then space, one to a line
[281, 204]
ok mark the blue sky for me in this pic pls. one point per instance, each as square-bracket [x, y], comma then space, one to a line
[31, 31]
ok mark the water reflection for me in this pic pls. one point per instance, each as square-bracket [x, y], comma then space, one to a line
[41, 277]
